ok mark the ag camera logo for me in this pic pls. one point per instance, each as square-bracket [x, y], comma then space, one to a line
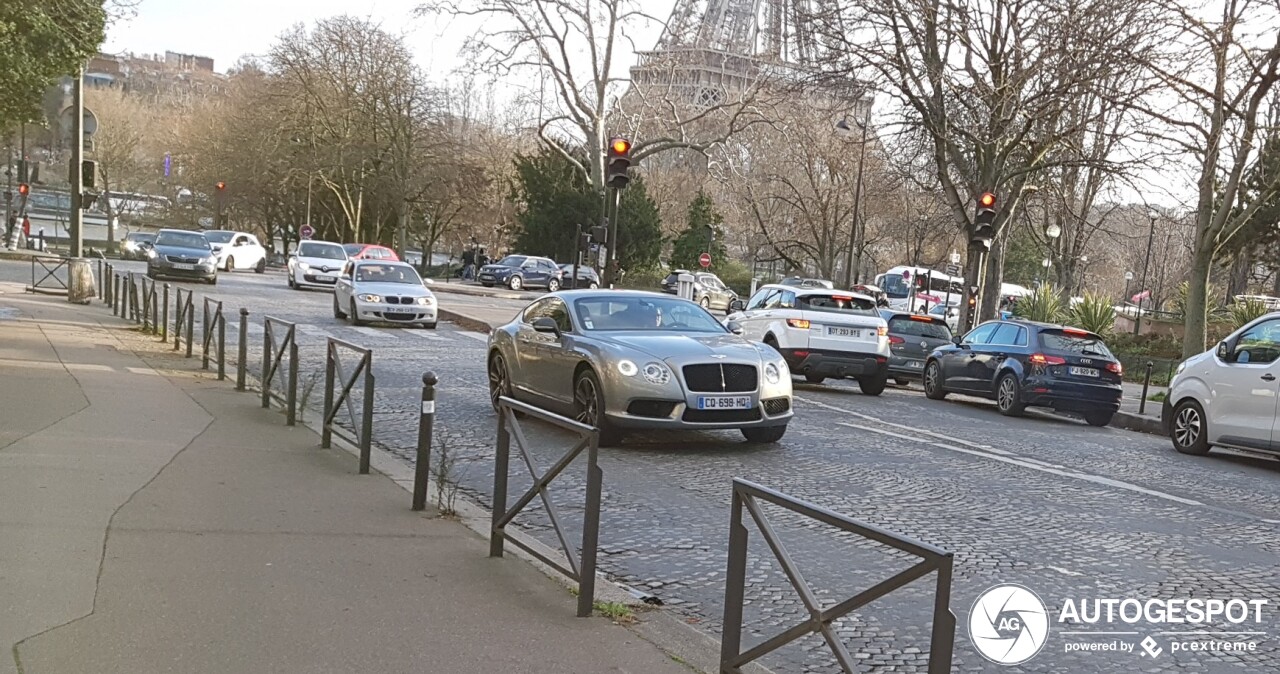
[1008, 624]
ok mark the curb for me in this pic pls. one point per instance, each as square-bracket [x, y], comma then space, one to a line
[465, 322]
[1142, 423]
[481, 291]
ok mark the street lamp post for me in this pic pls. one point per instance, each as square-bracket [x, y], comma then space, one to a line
[1052, 232]
[1146, 265]
[854, 239]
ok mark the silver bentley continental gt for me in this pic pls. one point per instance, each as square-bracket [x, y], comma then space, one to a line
[628, 360]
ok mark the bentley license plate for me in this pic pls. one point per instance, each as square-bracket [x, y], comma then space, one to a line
[724, 402]
[1084, 371]
[853, 333]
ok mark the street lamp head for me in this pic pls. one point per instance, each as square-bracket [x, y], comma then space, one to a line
[1046, 262]
[1053, 231]
[1084, 259]
[1128, 276]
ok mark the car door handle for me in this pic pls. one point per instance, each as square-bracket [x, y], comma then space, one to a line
[1268, 377]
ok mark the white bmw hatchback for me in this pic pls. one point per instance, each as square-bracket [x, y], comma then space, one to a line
[380, 290]
[1227, 396]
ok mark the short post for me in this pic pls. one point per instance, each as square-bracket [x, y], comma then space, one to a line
[164, 311]
[326, 433]
[243, 349]
[191, 323]
[177, 319]
[146, 305]
[266, 363]
[100, 276]
[422, 470]
[155, 308]
[222, 346]
[106, 285]
[291, 397]
[501, 459]
[206, 331]
[366, 420]
[1146, 383]
[118, 292]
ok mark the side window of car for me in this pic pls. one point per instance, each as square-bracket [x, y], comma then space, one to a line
[548, 265]
[1261, 344]
[1021, 339]
[1005, 335]
[787, 300]
[773, 300]
[757, 300]
[558, 311]
[980, 334]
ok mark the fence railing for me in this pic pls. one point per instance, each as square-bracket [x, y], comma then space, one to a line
[581, 569]
[214, 337]
[184, 323]
[45, 278]
[279, 339]
[338, 385]
[150, 305]
[746, 496]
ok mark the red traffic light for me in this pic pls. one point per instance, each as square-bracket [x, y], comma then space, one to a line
[220, 185]
[987, 200]
[24, 189]
[620, 146]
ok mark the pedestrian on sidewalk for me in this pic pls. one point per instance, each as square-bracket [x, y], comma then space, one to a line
[468, 264]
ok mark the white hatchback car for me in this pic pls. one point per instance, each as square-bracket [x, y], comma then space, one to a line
[1227, 396]
[316, 264]
[237, 250]
[381, 290]
[821, 333]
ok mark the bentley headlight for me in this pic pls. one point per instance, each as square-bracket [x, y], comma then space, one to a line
[426, 301]
[771, 373]
[627, 368]
[657, 373]
[370, 298]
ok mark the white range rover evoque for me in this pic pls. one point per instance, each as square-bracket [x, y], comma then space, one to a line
[820, 332]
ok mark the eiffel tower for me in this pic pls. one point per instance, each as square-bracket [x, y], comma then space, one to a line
[712, 50]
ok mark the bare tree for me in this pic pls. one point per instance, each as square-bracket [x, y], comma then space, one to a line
[118, 147]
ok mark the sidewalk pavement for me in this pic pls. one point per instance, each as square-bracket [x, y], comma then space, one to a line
[155, 520]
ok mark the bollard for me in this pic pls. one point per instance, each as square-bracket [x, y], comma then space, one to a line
[101, 277]
[116, 296]
[1146, 383]
[146, 305]
[291, 397]
[106, 284]
[191, 326]
[177, 320]
[164, 321]
[422, 471]
[244, 348]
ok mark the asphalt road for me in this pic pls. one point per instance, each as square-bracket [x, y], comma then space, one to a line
[1067, 510]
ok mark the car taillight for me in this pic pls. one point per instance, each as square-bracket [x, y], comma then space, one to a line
[1116, 368]
[1043, 360]
[894, 339]
[798, 323]
[882, 331]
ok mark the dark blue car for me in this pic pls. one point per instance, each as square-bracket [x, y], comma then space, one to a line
[1022, 364]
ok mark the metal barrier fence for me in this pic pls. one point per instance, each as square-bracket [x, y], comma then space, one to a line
[214, 324]
[272, 354]
[185, 320]
[334, 374]
[745, 497]
[150, 305]
[581, 570]
[49, 282]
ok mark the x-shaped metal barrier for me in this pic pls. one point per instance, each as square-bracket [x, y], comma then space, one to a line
[185, 320]
[214, 324]
[39, 286]
[582, 570]
[746, 496]
[273, 352]
[335, 374]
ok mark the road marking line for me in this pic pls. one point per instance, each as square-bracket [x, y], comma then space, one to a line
[372, 332]
[422, 334]
[868, 417]
[1018, 461]
[476, 335]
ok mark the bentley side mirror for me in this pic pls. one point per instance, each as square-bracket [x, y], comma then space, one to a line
[546, 325]
[735, 327]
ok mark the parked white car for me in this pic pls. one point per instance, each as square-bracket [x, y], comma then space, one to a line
[237, 250]
[380, 290]
[1227, 396]
[316, 264]
[820, 332]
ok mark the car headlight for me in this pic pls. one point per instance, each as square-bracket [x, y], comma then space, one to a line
[426, 301]
[627, 368]
[657, 373]
[771, 373]
[1181, 366]
[370, 298]
[209, 260]
[303, 265]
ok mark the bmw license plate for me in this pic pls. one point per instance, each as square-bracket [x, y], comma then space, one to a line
[1084, 371]
[724, 402]
[183, 266]
[852, 333]
[399, 310]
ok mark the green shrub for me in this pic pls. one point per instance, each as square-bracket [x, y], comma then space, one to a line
[1094, 313]
[1044, 305]
[1244, 312]
[644, 278]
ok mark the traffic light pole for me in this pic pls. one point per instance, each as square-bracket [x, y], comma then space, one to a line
[9, 220]
[577, 255]
[76, 232]
[613, 200]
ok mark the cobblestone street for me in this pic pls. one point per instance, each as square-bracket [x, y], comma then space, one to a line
[1065, 509]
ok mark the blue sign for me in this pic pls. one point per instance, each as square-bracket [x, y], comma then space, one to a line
[168, 164]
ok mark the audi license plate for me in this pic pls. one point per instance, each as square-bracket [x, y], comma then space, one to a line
[724, 402]
[183, 266]
[1084, 371]
[399, 310]
[853, 333]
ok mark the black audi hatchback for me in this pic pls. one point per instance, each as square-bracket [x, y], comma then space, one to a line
[1022, 364]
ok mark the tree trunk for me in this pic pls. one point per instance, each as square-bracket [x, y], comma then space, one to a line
[994, 278]
[1197, 300]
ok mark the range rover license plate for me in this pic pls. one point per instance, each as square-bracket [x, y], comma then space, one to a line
[853, 333]
[724, 402]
